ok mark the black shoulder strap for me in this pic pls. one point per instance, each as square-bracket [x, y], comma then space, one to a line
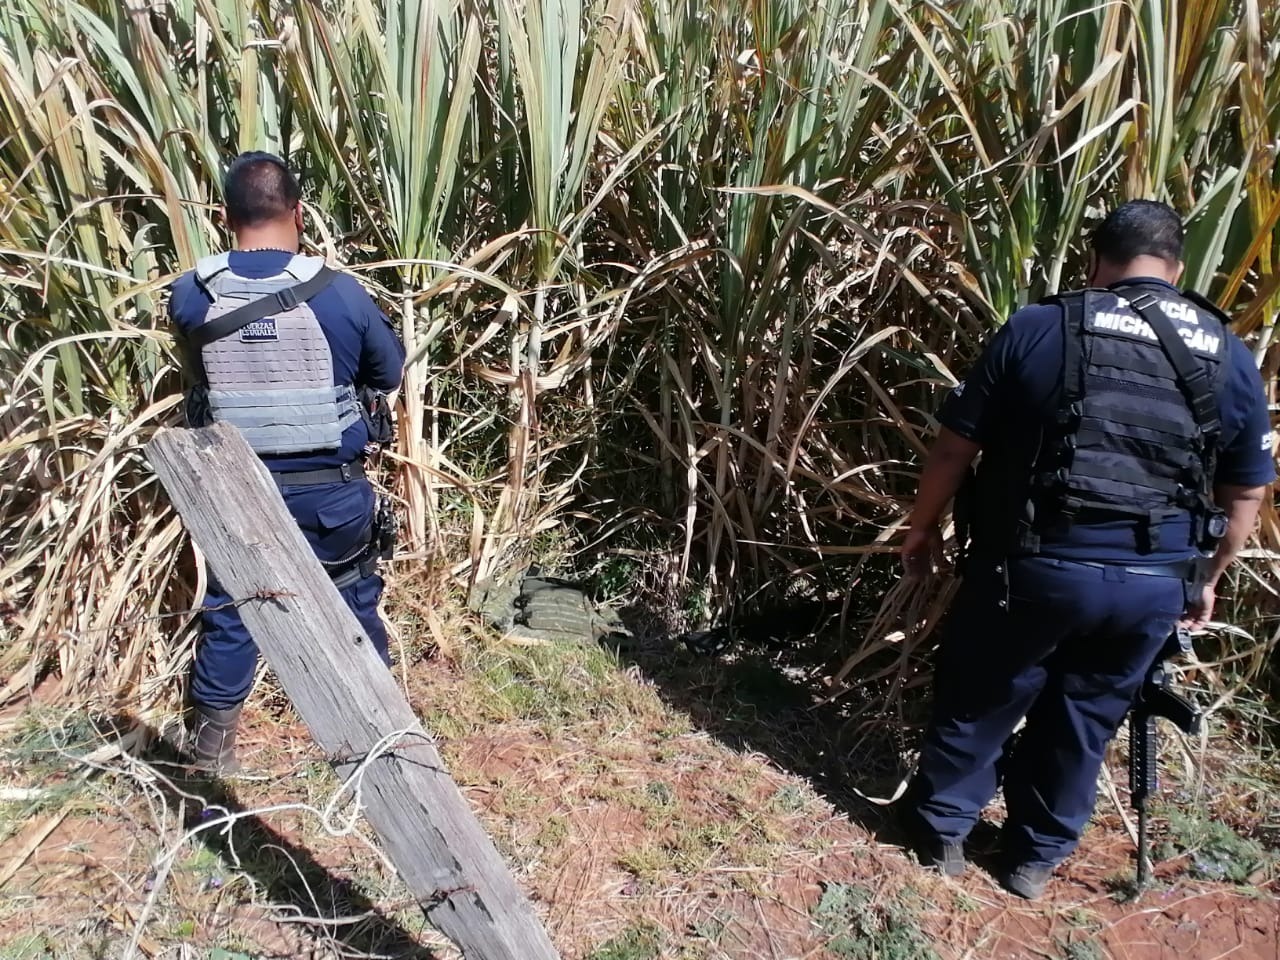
[278, 302]
[1191, 372]
[1207, 305]
[1073, 313]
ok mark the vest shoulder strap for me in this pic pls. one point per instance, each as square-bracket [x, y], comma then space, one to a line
[1073, 311]
[286, 299]
[304, 268]
[1191, 373]
[209, 267]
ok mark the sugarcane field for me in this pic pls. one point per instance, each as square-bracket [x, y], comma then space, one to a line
[639, 480]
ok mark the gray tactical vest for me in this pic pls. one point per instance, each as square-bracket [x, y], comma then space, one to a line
[273, 378]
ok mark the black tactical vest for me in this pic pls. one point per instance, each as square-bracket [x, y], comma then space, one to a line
[1136, 432]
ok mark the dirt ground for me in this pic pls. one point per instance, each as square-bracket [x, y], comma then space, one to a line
[640, 828]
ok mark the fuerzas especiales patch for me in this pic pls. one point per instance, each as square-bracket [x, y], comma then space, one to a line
[260, 331]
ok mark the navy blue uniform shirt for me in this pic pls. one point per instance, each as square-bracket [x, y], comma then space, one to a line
[1016, 385]
[366, 351]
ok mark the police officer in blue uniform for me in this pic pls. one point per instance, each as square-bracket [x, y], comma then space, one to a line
[1123, 434]
[281, 347]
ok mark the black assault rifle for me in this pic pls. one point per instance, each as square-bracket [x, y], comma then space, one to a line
[375, 409]
[1155, 699]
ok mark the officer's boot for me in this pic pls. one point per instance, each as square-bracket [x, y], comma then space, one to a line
[214, 739]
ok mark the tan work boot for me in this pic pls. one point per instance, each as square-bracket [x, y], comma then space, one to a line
[214, 739]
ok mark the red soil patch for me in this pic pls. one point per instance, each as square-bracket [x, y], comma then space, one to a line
[612, 824]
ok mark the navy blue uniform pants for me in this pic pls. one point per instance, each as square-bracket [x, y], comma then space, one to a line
[1067, 646]
[334, 517]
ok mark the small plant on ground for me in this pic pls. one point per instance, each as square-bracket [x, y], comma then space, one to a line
[616, 578]
[1081, 942]
[709, 928]
[660, 795]
[552, 834]
[862, 928]
[646, 863]
[1081, 950]
[1215, 851]
[641, 941]
[789, 798]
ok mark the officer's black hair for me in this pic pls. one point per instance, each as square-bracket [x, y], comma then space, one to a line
[259, 188]
[1137, 228]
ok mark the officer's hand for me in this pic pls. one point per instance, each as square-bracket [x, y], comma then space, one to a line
[921, 551]
[1199, 609]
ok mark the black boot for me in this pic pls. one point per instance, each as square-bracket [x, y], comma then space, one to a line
[214, 739]
[947, 856]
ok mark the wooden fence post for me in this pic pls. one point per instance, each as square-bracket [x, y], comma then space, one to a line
[343, 692]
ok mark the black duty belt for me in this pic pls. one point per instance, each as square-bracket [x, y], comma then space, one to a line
[311, 478]
[1178, 570]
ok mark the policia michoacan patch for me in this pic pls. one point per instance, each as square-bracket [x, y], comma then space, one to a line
[1117, 319]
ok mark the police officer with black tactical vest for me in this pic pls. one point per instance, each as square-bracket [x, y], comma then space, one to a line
[294, 355]
[1124, 434]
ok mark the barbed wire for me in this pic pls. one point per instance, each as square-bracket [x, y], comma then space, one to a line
[263, 593]
[160, 791]
[327, 816]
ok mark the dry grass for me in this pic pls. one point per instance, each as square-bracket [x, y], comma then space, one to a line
[634, 828]
[685, 289]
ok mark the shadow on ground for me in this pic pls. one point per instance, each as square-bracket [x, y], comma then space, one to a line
[762, 687]
[330, 912]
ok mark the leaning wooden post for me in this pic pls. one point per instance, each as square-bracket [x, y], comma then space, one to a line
[348, 699]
